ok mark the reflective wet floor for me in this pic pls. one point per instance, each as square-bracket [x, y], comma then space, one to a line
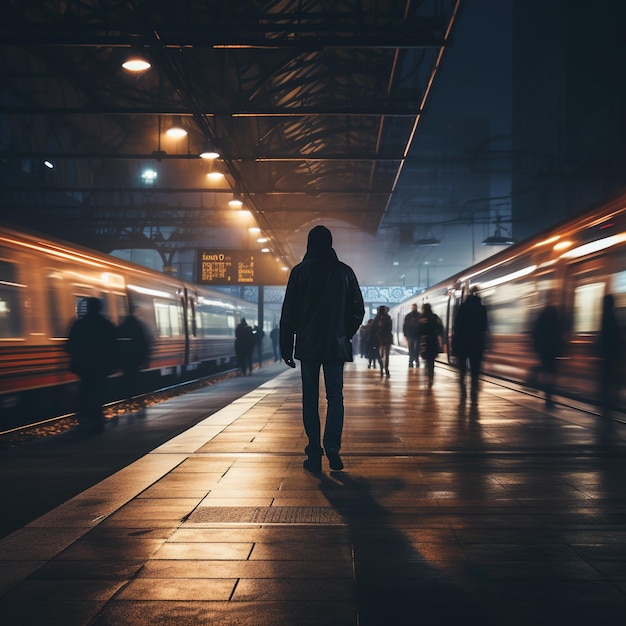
[503, 512]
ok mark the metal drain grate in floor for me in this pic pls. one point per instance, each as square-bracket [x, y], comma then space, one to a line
[266, 515]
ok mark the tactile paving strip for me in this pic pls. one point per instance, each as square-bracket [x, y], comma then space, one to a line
[266, 515]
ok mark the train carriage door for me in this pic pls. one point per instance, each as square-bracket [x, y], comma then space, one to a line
[585, 285]
[184, 301]
[11, 302]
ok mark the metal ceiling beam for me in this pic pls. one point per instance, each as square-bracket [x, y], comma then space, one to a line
[346, 111]
[306, 37]
[169, 190]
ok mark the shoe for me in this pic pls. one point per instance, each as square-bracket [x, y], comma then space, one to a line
[312, 464]
[334, 460]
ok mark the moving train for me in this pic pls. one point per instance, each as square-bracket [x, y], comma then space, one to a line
[44, 284]
[572, 266]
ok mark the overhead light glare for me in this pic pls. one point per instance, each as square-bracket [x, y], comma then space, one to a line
[49, 165]
[148, 175]
[136, 64]
[594, 246]
[209, 152]
[215, 176]
[235, 202]
[176, 131]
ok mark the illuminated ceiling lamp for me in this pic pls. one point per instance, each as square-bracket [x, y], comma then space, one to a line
[498, 238]
[215, 176]
[176, 130]
[209, 152]
[235, 202]
[136, 64]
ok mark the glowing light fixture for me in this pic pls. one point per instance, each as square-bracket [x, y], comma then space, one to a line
[215, 176]
[209, 152]
[148, 176]
[49, 165]
[176, 131]
[235, 202]
[136, 64]
[265, 249]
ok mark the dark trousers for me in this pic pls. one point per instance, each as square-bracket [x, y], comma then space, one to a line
[333, 381]
[414, 349]
[475, 361]
[91, 394]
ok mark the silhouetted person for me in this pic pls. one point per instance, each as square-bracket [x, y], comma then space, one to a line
[609, 348]
[547, 342]
[92, 346]
[133, 340]
[411, 331]
[244, 346]
[363, 338]
[468, 341]
[382, 336]
[371, 343]
[431, 330]
[322, 309]
[275, 337]
[259, 333]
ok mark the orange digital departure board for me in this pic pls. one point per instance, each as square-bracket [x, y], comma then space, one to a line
[239, 267]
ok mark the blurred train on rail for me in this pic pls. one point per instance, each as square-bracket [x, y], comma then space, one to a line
[44, 285]
[572, 266]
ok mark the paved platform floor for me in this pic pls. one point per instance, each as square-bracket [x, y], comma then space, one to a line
[503, 514]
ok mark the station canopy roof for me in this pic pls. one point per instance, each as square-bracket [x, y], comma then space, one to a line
[312, 106]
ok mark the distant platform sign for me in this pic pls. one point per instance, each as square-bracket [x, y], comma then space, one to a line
[239, 267]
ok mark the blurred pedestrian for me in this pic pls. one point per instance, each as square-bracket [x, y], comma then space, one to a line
[363, 339]
[244, 346]
[92, 346]
[609, 348]
[275, 337]
[133, 341]
[411, 332]
[322, 310]
[468, 341]
[381, 330]
[431, 332]
[547, 343]
[259, 334]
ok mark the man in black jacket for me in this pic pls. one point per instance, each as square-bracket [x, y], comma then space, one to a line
[322, 310]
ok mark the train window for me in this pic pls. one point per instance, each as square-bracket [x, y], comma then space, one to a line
[192, 318]
[215, 323]
[587, 299]
[508, 307]
[10, 302]
[56, 316]
[121, 306]
[80, 306]
[168, 318]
